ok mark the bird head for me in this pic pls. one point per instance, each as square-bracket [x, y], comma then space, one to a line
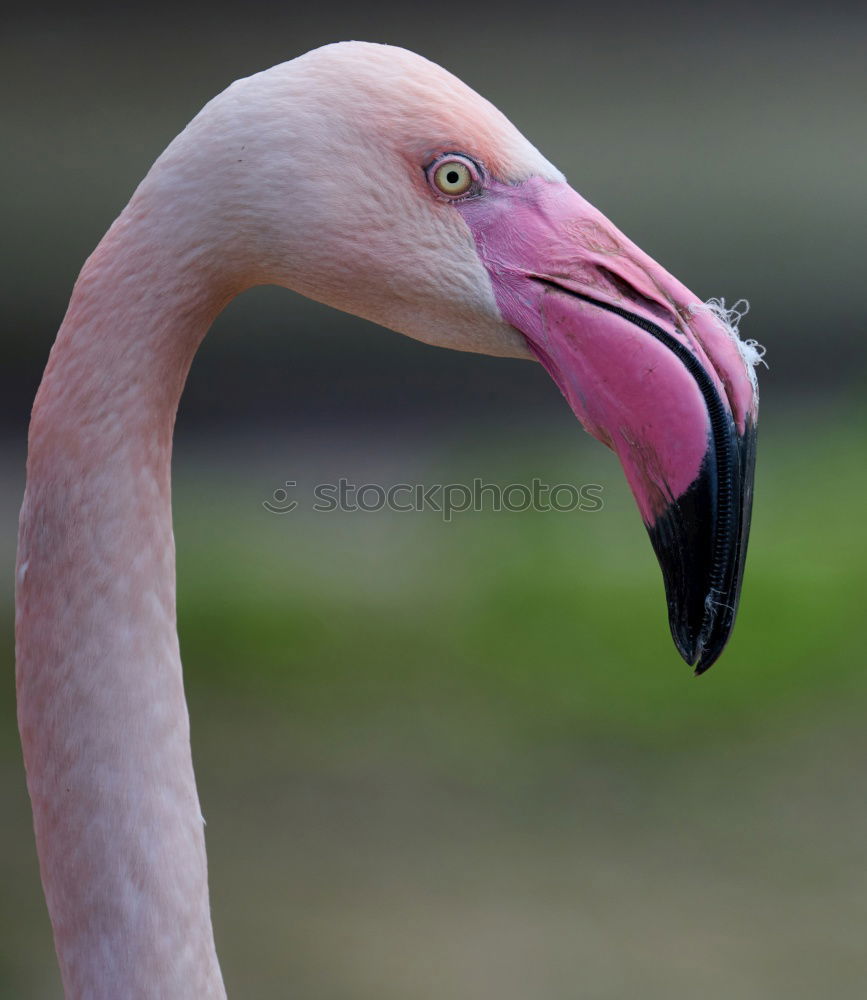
[368, 178]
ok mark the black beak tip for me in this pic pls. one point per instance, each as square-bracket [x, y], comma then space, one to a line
[700, 541]
[700, 654]
[705, 663]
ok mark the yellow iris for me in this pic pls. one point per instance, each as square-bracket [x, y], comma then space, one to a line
[453, 178]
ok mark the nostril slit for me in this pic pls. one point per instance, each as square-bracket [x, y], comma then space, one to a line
[631, 294]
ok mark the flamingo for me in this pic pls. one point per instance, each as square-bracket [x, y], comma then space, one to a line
[370, 179]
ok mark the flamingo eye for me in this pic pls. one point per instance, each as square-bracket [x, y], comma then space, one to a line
[453, 177]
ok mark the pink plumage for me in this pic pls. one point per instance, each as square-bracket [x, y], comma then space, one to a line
[315, 175]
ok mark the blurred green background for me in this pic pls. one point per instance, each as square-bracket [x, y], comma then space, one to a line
[463, 759]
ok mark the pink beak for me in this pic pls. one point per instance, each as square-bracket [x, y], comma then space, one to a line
[650, 372]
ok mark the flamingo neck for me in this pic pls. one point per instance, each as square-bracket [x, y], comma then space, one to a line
[102, 713]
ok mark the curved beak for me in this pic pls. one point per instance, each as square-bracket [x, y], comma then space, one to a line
[651, 372]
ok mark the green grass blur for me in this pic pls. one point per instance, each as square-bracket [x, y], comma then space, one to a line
[525, 629]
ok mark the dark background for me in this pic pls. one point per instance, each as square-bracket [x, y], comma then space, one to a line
[463, 760]
[727, 143]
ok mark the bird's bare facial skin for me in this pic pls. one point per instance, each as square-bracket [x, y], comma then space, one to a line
[648, 372]
[454, 176]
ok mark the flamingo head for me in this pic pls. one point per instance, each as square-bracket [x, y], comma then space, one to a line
[386, 187]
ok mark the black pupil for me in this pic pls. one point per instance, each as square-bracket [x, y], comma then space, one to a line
[453, 177]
